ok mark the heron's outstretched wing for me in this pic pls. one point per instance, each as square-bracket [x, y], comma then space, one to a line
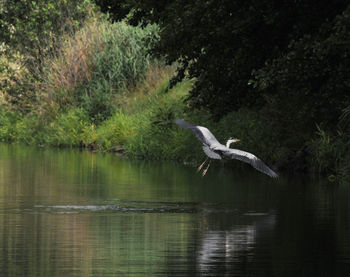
[202, 133]
[250, 159]
[210, 153]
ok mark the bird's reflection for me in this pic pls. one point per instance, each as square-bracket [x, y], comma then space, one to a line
[223, 249]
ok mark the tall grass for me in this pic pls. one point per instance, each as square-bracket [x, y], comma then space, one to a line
[144, 127]
[8, 121]
[332, 151]
[102, 60]
[104, 89]
[69, 129]
[139, 126]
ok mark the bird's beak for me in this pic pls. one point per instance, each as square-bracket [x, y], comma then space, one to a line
[237, 140]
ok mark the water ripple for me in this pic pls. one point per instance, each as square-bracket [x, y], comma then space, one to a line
[118, 208]
[126, 206]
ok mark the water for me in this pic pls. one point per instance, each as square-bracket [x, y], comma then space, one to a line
[72, 213]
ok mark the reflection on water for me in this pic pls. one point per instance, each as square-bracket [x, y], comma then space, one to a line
[227, 248]
[81, 214]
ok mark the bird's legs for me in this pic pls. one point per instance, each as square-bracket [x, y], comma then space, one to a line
[200, 167]
[205, 170]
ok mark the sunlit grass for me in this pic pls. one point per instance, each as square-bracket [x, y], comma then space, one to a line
[95, 65]
[103, 89]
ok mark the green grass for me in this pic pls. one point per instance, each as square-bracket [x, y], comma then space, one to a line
[143, 126]
[97, 63]
[104, 89]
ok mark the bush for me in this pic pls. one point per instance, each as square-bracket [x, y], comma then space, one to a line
[8, 120]
[144, 126]
[332, 150]
[69, 129]
[100, 61]
[309, 84]
[30, 33]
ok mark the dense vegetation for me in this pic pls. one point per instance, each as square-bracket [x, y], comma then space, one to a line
[285, 60]
[271, 73]
[233, 47]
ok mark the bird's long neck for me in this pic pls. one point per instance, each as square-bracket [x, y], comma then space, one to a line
[228, 143]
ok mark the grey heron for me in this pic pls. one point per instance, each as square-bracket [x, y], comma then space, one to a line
[215, 150]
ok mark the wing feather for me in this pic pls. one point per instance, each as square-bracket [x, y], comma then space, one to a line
[250, 159]
[202, 133]
[211, 143]
[210, 153]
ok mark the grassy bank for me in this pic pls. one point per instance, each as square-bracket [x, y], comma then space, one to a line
[143, 127]
[103, 90]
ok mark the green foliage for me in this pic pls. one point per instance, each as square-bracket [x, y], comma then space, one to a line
[14, 127]
[69, 129]
[332, 155]
[264, 72]
[8, 122]
[146, 129]
[332, 150]
[143, 128]
[30, 33]
[221, 43]
[117, 131]
[33, 28]
[343, 149]
[254, 133]
[325, 152]
[286, 62]
[310, 83]
[345, 118]
[102, 60]
[118, 64]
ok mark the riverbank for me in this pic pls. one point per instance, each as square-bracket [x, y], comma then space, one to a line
[103, 90]
[143, 128]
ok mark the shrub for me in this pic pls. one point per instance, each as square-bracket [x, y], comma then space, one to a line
[69, 129]
[30, 33]
[100, 61]
[8, 120]
[332, 150]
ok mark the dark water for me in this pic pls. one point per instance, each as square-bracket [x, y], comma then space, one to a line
[71, 213]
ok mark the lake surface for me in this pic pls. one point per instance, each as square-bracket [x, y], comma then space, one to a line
[76, 213]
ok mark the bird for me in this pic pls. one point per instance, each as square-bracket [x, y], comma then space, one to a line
[215, 150]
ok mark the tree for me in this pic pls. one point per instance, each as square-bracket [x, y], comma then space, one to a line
[33, 28]
[31, 31]
[309, 83]
[222, 43]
